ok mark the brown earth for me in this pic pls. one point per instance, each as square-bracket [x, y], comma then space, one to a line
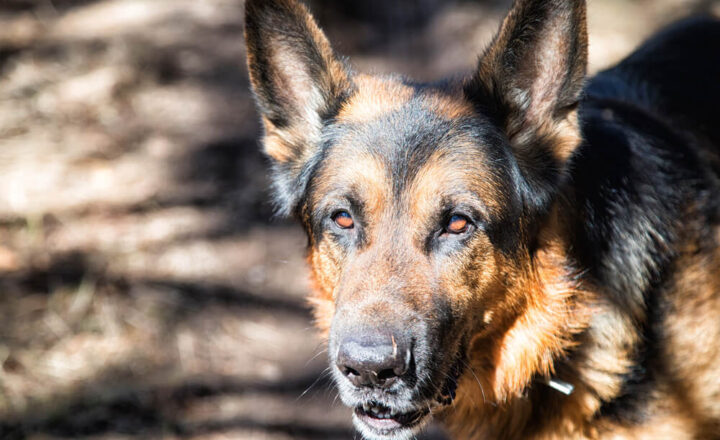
[145, 289]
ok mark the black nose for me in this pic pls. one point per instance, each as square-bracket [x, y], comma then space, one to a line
[373, 359]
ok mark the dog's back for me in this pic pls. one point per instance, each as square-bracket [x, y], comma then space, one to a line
[645, 189]
[675, 76]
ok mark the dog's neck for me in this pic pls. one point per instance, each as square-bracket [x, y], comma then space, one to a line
[506, 390]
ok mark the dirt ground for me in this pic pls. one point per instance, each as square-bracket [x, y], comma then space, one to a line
[146, 291]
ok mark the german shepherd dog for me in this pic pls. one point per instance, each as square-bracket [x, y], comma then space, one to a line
[521, 253]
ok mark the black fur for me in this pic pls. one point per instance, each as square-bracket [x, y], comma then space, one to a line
[646, 125]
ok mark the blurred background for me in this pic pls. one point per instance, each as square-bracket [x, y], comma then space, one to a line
[145, 289]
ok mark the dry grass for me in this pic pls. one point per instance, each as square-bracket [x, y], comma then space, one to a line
[145, 292]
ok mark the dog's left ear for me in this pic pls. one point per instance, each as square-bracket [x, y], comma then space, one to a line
[531, 76]
[298, 82]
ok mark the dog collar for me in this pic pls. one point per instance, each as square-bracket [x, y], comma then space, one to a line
[560, 386]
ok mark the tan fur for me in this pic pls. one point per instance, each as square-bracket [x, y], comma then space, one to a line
[368, 177]
[441, 176]
[693, 335]
[374, 97]
[450, 106]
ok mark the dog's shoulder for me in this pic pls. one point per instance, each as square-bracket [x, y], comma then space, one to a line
[650, 148]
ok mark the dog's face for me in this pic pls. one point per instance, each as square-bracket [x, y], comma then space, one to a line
[409, 215]
[424, 207]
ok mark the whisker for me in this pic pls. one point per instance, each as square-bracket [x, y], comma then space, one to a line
[319, 378]
[479, 384]
[324, 350]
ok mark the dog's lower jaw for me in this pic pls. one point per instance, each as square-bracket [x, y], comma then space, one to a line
[379, 429]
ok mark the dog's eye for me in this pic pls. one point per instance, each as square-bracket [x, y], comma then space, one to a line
[457, 224]
[343, 219]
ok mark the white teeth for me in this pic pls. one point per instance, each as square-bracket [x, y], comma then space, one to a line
[377, 411]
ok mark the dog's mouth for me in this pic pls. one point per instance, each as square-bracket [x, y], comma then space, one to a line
[385, 421]
[382, 420]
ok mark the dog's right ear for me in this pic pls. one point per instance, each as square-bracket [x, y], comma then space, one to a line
[298, 82]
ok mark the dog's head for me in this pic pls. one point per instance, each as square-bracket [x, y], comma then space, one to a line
[426, 207]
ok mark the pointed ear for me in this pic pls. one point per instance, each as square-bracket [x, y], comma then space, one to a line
[531, 77]
[298, 83]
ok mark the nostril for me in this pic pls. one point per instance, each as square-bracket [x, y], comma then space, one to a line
[349, 372]
[386, 374]
[373, 359]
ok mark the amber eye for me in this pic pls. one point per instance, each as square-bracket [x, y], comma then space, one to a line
[343, 219]
[457, 224]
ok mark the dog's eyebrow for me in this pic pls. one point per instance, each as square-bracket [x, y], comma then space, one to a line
[466, 202]
[350, 197]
